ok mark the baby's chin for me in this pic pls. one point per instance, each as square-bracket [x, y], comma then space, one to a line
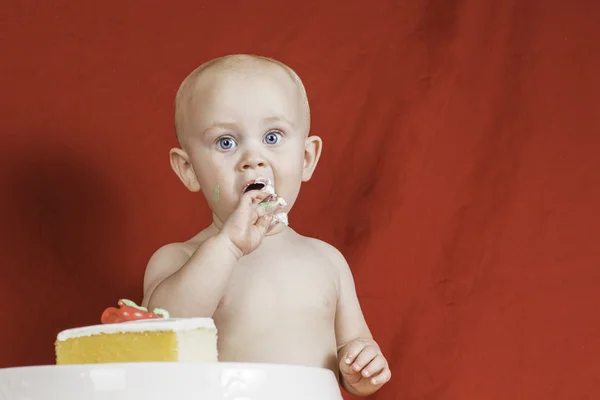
[224, 207]
[277, 228]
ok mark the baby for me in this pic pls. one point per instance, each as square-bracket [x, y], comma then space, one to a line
[243, 122]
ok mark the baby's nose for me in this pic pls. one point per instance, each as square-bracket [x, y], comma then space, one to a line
[253, 160]
[253, 163]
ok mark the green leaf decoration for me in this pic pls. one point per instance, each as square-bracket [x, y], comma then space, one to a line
[132, 304]
[160, 311]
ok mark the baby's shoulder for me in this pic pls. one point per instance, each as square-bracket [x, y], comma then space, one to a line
[168, 258]
[179, 250]
[326, 250]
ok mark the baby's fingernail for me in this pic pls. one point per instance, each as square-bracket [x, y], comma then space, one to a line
[374, 381]
[366, 373]
[356, 367]
[348, 360]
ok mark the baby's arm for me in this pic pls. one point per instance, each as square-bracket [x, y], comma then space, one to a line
[363, 368]
[194, 287]
[189, 286]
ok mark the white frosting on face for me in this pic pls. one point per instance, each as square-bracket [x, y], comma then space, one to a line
[145, 325]
[281, 217]
[269, 189]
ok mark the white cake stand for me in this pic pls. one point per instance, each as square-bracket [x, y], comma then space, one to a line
[162, 380]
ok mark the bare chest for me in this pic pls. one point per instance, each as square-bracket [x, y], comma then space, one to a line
[278, 284]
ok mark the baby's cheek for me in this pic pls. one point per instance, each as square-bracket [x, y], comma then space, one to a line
[289, 165]
[219, 177]
[218, 188]
[216, 193]
[213, 171]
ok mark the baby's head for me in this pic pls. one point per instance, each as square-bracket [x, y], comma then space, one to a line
[239, 118]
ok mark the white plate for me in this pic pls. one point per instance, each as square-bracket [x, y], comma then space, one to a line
[162, 380]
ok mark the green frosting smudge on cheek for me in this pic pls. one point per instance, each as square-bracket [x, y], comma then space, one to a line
[216, 193]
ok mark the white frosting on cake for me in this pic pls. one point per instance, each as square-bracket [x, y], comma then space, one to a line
[145, 325]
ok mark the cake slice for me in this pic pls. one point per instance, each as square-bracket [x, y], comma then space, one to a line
[133, 334]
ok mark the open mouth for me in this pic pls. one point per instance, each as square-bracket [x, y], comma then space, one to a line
[254, 186]
[257, 184]
[264, 184]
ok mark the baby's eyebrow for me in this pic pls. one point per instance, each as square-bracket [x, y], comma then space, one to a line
[278, 118]
[233, 125]
[220, 124]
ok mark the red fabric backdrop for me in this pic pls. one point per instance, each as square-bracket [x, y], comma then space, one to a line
[460, 173]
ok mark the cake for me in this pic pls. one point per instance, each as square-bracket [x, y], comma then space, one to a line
[131, 333]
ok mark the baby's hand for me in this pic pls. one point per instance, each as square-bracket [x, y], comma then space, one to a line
[363, 367]
[250, 221]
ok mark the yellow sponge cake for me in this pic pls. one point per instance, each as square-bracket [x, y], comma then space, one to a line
[133, 334]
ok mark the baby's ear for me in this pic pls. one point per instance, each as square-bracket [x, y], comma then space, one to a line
[312, 151]
[183, 168]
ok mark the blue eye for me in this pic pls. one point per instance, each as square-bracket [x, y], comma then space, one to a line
[272, 137]
[226, 143]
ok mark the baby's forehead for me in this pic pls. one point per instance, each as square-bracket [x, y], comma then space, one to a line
[230, 87]
[241, 77]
